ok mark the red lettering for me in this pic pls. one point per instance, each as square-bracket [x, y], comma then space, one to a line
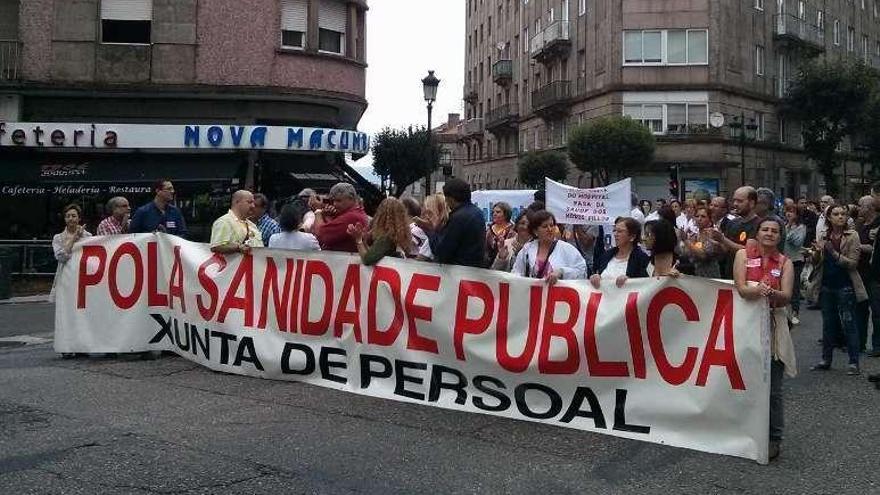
[415, 312]
[85, 278]
[726, 356]
[391, 280]
[315, 268]
[121, 301]
[634, 330]
[595, 365]
[674, 375]
[280, 299]
[232, 300]
[563, 330]
[208, 284]
[518, 364]
[294, 317]
[175, 285]
[154, 297]
[351, 292]
[468, 289]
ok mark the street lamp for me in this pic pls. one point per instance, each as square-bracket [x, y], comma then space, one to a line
[429, 86]
[446, 163]
[743, 132]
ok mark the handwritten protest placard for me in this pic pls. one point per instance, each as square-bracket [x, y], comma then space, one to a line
[596, 206]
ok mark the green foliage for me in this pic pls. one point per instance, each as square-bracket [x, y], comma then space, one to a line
[403, 156]
[831, 99]
[609, 146]
[533, 167]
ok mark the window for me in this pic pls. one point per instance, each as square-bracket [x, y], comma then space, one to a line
[782, 130]
[759, 60]
[820, 22]
[865, 52]
[759, 4]
[850, 39]
[760, 120]
[802, 10]
[294, 22]
[126, 21]
[651, 115]
[582, 7]
[666, 47]
[526, 40]
[836, 32]
[332, 15]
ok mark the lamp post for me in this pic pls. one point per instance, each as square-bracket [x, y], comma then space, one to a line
[743, 132]
[429, 87]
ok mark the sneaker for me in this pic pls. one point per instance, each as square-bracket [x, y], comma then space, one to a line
[874, 353]
[853, 370]
[774, 449]
[821, 366]
[795, 320]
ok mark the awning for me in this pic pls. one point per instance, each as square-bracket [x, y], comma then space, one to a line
[119, 168]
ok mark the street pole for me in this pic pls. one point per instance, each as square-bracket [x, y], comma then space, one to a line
[742, 149]
[430, 150]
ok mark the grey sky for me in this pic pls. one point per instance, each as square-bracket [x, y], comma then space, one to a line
[406, 38]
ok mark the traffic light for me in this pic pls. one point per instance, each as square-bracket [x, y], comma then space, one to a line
[674, 189]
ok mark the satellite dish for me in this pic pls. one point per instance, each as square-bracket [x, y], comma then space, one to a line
[716, 120]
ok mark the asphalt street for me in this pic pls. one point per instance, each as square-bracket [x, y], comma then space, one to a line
[122, 425]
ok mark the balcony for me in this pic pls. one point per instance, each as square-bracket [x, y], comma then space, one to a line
[551, 42]
[10, 60]
[473, 128]
[781, 87]
[553, 99]
[798, 33]
[503, 118]
[502, 72]
[470, 95]
[690, 131]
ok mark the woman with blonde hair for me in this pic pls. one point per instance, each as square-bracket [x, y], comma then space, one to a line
[435, 214]
[390, 233]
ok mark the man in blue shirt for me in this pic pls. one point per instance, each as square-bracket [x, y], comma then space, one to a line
[260, 216]
[159, 215]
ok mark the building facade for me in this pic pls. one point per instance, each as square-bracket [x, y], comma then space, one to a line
[225, 72]
[693, 71]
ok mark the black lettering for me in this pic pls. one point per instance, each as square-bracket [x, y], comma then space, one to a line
[76, 134]
[181, 345]
[503, 400]
[203, 343]
[401, 378]
[367, 372]
[437, 384]
[18, 136]
[225, 339]
[594, 412]
[620, 415]
[164, 329]
[57, 137]
[309, 367]
[247, 344]
[325, 364]
[523, 406]
[38, 135]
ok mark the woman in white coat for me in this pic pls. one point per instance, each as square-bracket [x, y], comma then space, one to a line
[546, 257]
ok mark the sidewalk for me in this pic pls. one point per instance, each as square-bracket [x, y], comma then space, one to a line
[41, 298]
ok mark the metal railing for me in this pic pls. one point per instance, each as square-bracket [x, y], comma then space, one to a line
[558, 31]
[691, 130]
[781, 87]
[790, 26]
[10, 60]
[473, 126]
[551, 94]
[502, 70]
[28, 257]
[501, 114]
[470, 94]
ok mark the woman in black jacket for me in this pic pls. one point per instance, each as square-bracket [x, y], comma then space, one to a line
[626, 260]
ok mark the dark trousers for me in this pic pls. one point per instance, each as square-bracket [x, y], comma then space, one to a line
[839, 323]
[796, 288]
[871, 308]
[777, 409]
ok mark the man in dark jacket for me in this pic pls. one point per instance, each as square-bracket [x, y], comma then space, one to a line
[462, 240]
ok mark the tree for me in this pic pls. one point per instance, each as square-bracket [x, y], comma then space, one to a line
[830, 99]
[610, 146]
[533, 167]
[402, 157]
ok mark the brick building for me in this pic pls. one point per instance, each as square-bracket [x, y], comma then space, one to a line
[691, 70]
[233, 77]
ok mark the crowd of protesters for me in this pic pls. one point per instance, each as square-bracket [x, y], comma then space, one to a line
[819, 253]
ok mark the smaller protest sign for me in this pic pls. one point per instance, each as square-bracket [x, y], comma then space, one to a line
[596, 206]
[518, 200]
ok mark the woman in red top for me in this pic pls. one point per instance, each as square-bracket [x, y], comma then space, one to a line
[499, 230]
[761, 271]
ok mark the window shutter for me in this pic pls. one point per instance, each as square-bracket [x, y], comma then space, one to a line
[127, 10]
[333, 15]
[294, 15]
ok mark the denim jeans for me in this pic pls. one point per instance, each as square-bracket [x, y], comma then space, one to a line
[777, 409]
[872, 306]
[839, 323]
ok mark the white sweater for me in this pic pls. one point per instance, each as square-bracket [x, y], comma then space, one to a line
[564, 257]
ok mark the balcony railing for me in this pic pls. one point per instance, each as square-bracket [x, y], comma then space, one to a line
[691, 130]
[10, 60]
[474, 127]
[555, 38]
[502, 115]
[792, 28]
[502, 71]
[551, 95]
[781, 87]
[470, 94]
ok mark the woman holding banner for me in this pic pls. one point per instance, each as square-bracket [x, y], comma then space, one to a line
[761, 271]
[546, 257]
[390, 234]
[499, 231]
[62, 243]
[510, 249]
[626, 260]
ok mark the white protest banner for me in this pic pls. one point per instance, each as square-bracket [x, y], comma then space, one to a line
[677, 362]
[596, 206]
[518, 199]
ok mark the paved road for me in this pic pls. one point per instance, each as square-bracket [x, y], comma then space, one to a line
[169, 426]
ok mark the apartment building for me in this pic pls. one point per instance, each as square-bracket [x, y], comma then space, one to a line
[101, 97]
[698, 73]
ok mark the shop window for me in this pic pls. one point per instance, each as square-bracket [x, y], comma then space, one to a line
[126, 21]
